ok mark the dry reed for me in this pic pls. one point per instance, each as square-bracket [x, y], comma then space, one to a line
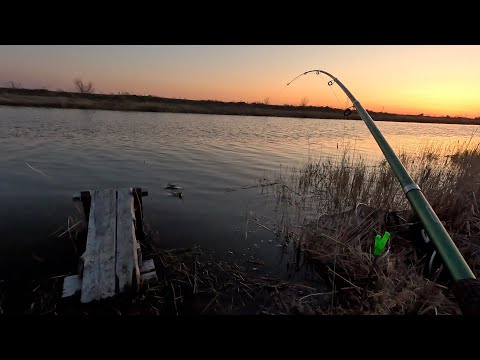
[333, 208]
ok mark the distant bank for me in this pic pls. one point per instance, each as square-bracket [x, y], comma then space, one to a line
[68, 100]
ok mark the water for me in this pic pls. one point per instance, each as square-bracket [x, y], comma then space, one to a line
[204, 154]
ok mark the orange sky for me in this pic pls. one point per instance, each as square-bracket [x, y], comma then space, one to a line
[412, 79]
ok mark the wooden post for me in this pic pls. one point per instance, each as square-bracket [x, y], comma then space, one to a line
[86, 199]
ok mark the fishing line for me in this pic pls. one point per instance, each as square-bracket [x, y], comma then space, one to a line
[282, 89]
[331, 88]
[465, 286]
[330, 85]
[347, 111]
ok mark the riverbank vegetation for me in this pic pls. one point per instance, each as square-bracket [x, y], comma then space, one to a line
[332, 209]
[124, 101]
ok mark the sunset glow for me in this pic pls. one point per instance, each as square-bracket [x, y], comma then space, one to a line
[433, 80]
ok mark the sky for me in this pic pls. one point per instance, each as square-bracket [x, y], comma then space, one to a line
[435, 80]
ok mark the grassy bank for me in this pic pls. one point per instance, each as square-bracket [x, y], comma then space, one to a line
[60, 99]
[333, 208]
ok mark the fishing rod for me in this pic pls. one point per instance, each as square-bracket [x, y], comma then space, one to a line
[465, 287]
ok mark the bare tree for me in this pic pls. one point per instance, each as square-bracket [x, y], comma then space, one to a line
[266, 101]
[82, 87]
[14, 85]
[304, 101]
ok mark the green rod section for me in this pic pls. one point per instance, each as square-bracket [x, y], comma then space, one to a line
[436, 231]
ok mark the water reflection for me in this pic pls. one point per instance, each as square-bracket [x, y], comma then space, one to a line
[204, 154]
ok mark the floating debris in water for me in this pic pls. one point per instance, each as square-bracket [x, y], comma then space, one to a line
[31, 167]
[177, 194]
[172, 187]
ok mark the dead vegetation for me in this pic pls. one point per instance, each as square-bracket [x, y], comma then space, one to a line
[191, 282]
[333, 208]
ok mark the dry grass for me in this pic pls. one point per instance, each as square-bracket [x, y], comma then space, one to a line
[333, 208]
[190, 282]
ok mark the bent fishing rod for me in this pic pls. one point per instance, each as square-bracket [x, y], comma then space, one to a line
[465, 286]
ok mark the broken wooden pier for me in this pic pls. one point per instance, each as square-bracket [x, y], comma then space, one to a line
[112, 262]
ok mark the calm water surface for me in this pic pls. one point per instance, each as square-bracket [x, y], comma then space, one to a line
[204, 154]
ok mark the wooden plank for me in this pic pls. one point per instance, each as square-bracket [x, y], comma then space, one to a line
[139, 254]
[71, 285]
[77, 202]
[99, 264]
[80, 206]
[137, 194]
[147, 266]
[142, 191]
[127, 271]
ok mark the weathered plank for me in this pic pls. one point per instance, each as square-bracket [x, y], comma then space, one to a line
[99, 264]
[138, 203]
[71, 285]
[139, 253]
[127, 270]
[77, 202]
[147, 266]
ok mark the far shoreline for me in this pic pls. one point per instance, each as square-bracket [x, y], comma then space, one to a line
[126, 102]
